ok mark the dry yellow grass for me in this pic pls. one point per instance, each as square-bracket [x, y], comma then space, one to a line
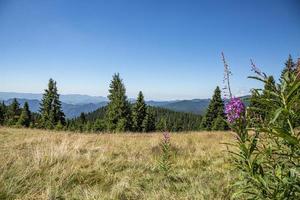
[38, 164]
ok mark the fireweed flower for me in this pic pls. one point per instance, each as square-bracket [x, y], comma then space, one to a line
[234, 110]
[166, 137]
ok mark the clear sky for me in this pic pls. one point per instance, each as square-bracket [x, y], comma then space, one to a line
[169, 49]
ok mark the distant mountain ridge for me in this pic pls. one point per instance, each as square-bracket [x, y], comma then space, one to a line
[74, 104]
[70, 110]
[66, 98]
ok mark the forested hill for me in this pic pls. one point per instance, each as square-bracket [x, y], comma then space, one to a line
[164, 119]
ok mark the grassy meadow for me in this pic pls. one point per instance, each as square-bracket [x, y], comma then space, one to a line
[37, 164]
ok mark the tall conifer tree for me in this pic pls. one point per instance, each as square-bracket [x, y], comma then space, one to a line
[50, 108]
[13, 112]
[118, 113]
[25, 117]
[215, 110]
[290, 66]
[148, 124]
[2, 113]
[139, 113]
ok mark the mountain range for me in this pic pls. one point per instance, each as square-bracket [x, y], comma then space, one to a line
[74, 104]
[66, 98]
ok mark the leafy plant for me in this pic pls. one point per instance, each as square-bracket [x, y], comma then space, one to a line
[267, 155]
[165, 160]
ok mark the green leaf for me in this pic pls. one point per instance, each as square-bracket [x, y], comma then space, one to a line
[276, 115]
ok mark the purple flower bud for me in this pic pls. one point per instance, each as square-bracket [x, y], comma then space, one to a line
[234, 109]
[166, 138]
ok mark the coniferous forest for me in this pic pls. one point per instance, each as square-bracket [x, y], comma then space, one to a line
[122, 116]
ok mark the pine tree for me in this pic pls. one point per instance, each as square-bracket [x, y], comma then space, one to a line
[139, 113]
[25, 117]
[82, 122]
[118, 110]
[99, 125]
[148, 124]
[59, 115]
[88, 126]
[13, 112]
[2, 113]
[289, 67]
[82, 118]
[219, 124]
[215, 109]
[162, 124]
[50, 108]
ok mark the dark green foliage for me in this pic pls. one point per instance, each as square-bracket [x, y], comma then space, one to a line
[2, 113]
[25, 117]
[268, 160]
[118, 113]
[13, 113]
[59, 126]
[219, 124]
[215, 110]
[163, 119]
[258, 111]
[88, 127]
[138, 113]
[148, 124]
[99, 125]
[290, 67]
[82, 118]
[50, 108]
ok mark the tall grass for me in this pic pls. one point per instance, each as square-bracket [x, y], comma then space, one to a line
[38, 164]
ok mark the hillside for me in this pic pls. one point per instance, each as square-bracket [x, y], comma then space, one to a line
[66, 98]
[38, 164]
[196, 106]
[165, 119]
[70, 110]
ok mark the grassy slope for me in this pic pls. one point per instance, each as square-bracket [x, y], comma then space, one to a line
[39, 164]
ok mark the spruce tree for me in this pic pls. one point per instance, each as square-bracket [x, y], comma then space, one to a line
[13, 112]
[59, 115]
[2, 113]
[161, 124]
[118, 114]
[219, 124]
[82, 118]
[215, 110]
[290, 67]
[139, 113]
[99, 125]
[148, 124]
[50, 107]
[25, 117]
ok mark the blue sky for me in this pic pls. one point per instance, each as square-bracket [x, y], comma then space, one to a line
[169, 49]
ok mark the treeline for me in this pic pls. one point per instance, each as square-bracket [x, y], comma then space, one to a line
[118, 116]
[50, 115]
[121, 116]
[162, 120]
